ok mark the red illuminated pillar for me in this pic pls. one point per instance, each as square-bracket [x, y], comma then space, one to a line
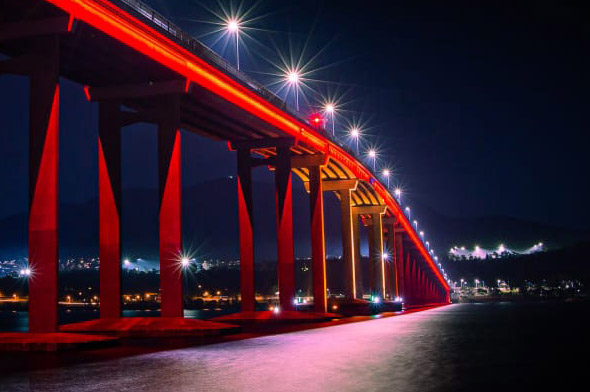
[43, 188]
[348, 241]
[246, 228]
[318, 243]
[392, 284]
[358, 267]
[109, 207]
[285, 248]
[400, 264]
[376, 256]
[170, 209]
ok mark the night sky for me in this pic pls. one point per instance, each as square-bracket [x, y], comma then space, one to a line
[478, 106]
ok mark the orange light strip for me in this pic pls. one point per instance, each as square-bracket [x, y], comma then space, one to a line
[117, 23]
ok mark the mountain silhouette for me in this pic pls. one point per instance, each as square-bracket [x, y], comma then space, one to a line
[210, 225]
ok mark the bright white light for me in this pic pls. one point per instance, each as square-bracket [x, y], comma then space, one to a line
[376, 300]
[386, 172]
[407, 209]
[233, 26]
[385, 255]
[276, 310]
[372, 153]
[329, 108]
[185, 262]
[126, 262]
[295, 302]
[421, 234]
[27, 271]
[398, 192]
[293, 77]
[355, 132]
[398, 299]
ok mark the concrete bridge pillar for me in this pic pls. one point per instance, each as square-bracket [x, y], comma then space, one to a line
[40, 62]
[390, 263]
[358, 267]
[171, 271]
[318, 242]
[246, 229]
[43, 185]
[376, 256]
[109, 208]
[285, 246]
[376, 260]
[314, 163]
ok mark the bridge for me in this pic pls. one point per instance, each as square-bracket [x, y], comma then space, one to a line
[139, 67]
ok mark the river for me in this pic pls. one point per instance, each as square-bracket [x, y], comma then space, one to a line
[463, 347]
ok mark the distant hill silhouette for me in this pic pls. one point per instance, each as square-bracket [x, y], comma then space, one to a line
[210, 225]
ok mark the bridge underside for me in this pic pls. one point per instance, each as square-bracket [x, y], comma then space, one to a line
[45, 43]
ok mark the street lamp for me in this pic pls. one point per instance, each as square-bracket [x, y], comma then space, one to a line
[416, 224]
[293, 77]
[398, 194]
[372, 153]
[233, 27]
[355, 134]
[330, 108]
[408, 210]
[386, 174]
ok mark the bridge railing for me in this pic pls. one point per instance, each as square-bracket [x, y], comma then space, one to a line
[198, 48]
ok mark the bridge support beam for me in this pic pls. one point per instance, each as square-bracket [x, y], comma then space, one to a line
[170, 207]
[348, 242]
[246, 229]
[285, 246]
[376, 262]
[109, 207]
[391, 268]
[358, 266]
[43, 186]
[400, 264]
[318, 242]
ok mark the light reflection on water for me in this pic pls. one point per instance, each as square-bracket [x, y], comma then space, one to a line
[458, 347]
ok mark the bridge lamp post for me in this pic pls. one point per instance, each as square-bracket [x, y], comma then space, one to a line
[372, 153]
[355, 134]
[330, 108]
[294, 78]
[398, 194]
[387, 174]
[409, 212]
[416, 224]
[428, 245]
[233, 27]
